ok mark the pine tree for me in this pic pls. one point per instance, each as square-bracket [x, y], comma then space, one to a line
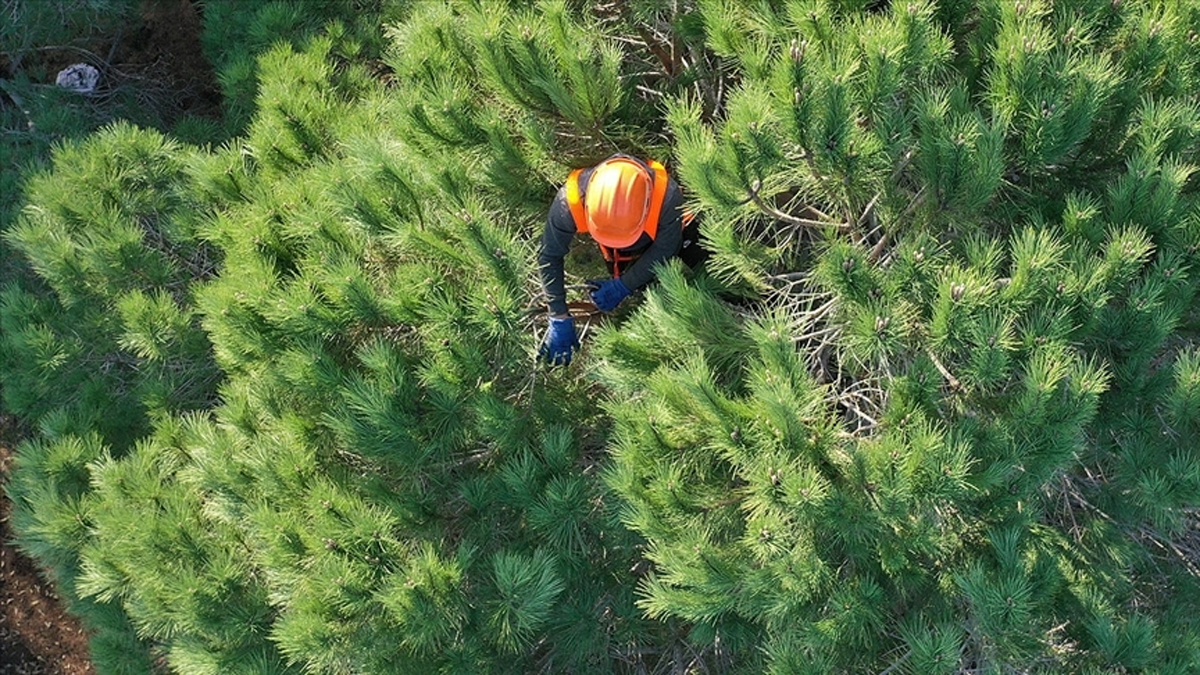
[939, 441]
[375, 325]
[35, 40]
[927, 409]
[105, 340]
[109, 335]
[384, 486]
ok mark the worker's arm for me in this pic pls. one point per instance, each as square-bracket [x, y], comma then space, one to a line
[666, 243]
[556, 242]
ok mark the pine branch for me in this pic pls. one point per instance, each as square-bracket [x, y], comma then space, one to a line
[950, 379]
[879, 247]
[867, 391]
[1190, 556]
[898, 663]
[710, 85]
[653, 92]
[1187, 552]
[788, 218]
[869, 210]
[913, 205]
[657, 45]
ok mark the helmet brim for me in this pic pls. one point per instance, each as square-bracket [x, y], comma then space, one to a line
[607, 239]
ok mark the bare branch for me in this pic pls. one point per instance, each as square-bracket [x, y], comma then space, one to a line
[953, 381]
[878, 250]
[869, 208]
[787, 217]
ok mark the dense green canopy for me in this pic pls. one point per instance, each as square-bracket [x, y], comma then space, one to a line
[928, 408]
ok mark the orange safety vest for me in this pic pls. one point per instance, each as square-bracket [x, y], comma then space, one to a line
[657, 194]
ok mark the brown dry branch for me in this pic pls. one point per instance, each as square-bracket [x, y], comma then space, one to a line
[1071, 495]
[768, 209]
[864, 393]
[955, 385]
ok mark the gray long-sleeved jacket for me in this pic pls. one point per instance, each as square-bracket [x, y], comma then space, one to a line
[560, 230]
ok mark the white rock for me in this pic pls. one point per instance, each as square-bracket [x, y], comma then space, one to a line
[80, 78]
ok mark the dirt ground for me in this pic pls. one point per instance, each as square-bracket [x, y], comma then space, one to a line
[165, 55]
[37, 636]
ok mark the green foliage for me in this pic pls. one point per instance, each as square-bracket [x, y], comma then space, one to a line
[109, 336]
[380, 467]
[525, 94]
[973, 256]
[53, 509]
[31, 25]
[928, 408]
[237, 33]
[34, 114]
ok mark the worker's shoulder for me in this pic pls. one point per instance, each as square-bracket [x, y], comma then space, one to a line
[559, 216]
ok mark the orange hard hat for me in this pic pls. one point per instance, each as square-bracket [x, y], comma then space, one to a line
[617, 201]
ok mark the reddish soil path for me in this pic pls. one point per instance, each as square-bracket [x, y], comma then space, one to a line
[37, 636]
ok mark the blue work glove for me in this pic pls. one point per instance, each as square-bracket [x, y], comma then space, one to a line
[608, 294]
[560, 342]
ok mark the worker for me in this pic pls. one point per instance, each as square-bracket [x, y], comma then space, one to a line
[634, 210]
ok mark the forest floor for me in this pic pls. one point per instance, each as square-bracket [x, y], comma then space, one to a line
[37, 635]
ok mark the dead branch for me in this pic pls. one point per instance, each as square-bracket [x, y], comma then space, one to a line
[787, 217]
[950, 379]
